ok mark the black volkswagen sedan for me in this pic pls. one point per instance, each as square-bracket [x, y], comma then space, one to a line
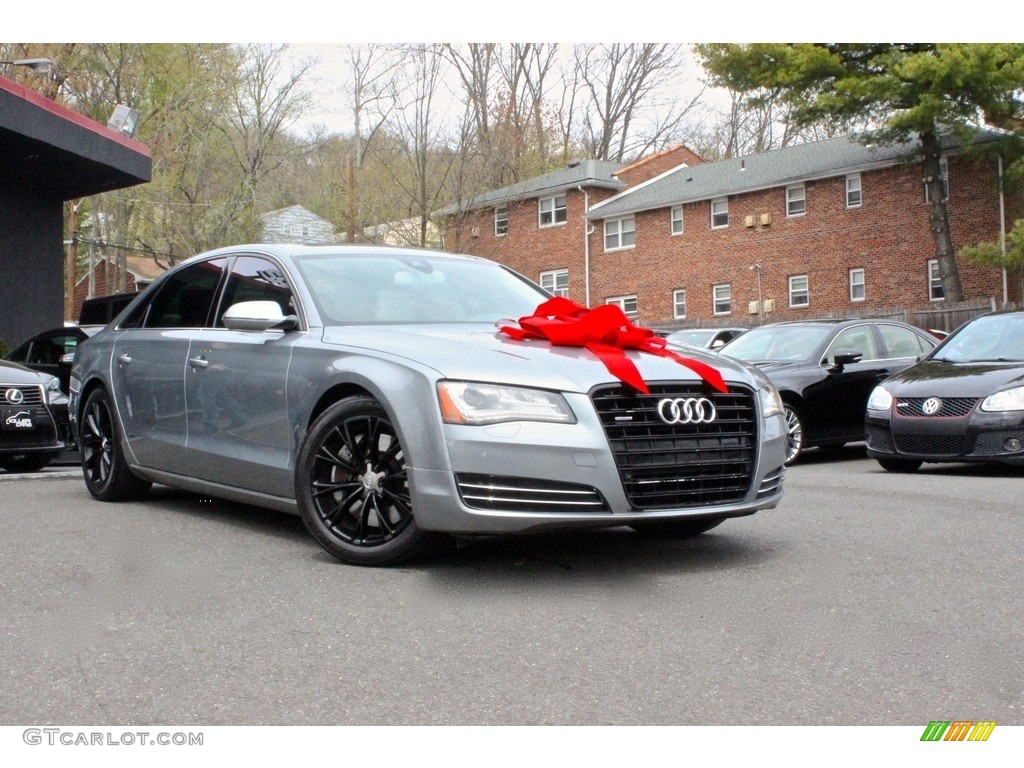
[826, 369]
[33, 418]
[962, 403]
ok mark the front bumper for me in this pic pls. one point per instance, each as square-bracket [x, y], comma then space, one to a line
[976, 436]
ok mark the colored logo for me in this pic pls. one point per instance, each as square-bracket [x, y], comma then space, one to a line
[958, 730]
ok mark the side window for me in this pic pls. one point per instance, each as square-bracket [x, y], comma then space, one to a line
[48, 351]
[183, 301]
[253, 278]
[860, 338]
[901, 342]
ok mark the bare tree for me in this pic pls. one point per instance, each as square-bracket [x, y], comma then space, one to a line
[627, 86]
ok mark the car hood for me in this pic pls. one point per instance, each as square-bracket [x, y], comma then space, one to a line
[481, 353]
[15, 373]
[938, 377]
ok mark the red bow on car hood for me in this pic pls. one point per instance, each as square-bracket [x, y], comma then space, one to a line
[607, 333]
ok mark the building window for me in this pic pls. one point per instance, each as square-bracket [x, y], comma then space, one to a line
[799, 296]
[796, 200]
[501, 221]
[679, 304]
[720, 213]
[627, 304]
[722, 297]
[857, 292]
[853, 195]
[935, 290]
[944, 175]
[619, 233]
[555, 282]
[552, 211]
[676, 219]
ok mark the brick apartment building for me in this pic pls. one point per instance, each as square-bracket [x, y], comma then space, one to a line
[828, 227]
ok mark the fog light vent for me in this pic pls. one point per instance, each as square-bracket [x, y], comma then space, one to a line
[1012, 444]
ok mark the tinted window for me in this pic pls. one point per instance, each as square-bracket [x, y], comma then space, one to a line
[858, 338]
[902, 342]
[184, 300]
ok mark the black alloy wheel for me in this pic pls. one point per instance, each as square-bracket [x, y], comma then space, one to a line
[106, 472]
[352, 486]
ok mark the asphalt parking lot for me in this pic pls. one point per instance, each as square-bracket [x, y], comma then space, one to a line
[866, 598]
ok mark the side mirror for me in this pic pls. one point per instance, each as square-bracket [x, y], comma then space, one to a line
[844, 357]
[258, 316]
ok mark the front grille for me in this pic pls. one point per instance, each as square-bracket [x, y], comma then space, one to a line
[930, 445]
[522, 494]
[680, 465]
[30, 395]
[950, 408]
[878, 438]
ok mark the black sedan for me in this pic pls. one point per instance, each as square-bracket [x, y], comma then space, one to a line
[33, 418]
[962, 403]
[49, 351]
[826, 369]
[706, 338]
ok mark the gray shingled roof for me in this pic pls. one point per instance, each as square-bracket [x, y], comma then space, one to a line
[587, 173]
[802, 162]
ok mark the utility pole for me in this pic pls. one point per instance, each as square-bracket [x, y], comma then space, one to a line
[71, 263]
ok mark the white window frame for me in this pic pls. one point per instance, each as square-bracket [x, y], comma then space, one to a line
[796, 292]
[936, 291]
[721, 294]
[720, 208]
[501, 221]
[675, 220]
[854, 191]
[796, 200]
[857, 280]
[620, 233]
[554, 208]
[628, 304]
[679, 300]
[555, 282]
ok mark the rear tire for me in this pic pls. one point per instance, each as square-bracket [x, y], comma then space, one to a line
[677, 529]
[106, 472]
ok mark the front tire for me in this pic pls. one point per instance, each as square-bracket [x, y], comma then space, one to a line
[352, 486]
[106, 472]
[794, 434]
[677, 529]
[900, 465]
[26, 462]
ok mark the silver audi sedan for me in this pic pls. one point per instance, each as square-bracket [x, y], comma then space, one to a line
[391, 398]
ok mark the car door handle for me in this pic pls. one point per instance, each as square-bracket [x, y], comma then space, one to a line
[198, 362]
[124, 359]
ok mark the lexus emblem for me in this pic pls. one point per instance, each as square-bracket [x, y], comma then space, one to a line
[931, 406]
[686, 410]
[14, 396]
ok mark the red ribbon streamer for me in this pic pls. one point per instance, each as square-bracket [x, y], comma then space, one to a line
[607, 333]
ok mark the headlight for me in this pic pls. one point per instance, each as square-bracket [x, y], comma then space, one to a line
[53, 389]
[467, 402]
[880, 400]
[771, 400]
[1007, 400]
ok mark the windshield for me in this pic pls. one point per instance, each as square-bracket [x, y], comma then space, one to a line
[694, 338]
[992, 338]
[777, 342]
[354, 289]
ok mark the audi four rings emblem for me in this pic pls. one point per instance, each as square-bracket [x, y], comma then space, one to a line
[686, 410]
[14, 396]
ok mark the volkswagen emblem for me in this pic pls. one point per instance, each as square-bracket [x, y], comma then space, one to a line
[14, 396]
[686, 410]
[931, 406]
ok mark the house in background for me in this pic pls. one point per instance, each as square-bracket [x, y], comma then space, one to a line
[141, 271]
[828, 227]
[296, 224]
[404, 232]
